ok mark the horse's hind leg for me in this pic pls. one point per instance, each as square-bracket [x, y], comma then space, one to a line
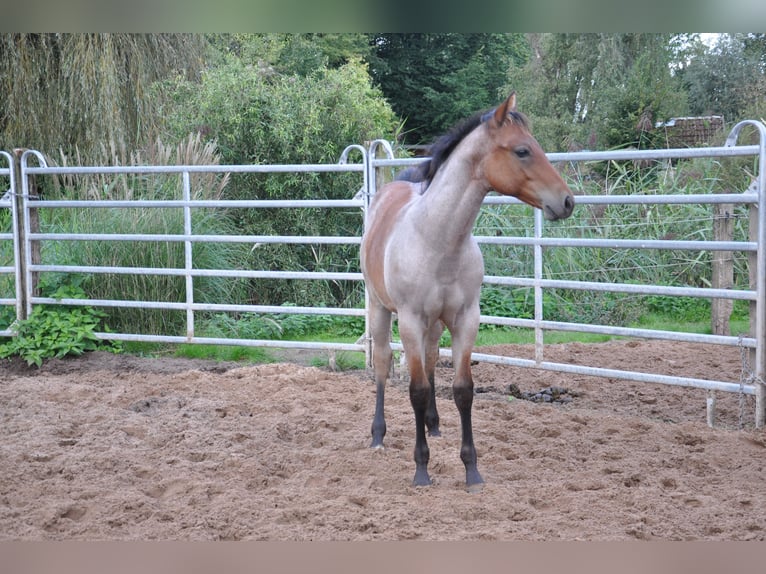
[380, 330]
[432, 355]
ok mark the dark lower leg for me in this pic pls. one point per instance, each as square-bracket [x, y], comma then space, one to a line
[464, 401]
[381, 358]
[378, 420]
[432, 416]
[419, 397]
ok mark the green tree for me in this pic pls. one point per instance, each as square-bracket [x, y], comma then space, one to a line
[62, 91]
[730, 78]
[301, 54]
[594, 90]
[435, 80]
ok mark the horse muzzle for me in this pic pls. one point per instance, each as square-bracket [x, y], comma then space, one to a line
[561, 209]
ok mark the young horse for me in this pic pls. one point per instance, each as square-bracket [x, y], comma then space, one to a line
[421, 261]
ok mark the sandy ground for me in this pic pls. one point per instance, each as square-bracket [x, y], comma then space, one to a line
[114, 447]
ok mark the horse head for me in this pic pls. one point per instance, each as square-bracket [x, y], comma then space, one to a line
[514, 164]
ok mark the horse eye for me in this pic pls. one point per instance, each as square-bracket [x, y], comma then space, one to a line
[522, 152]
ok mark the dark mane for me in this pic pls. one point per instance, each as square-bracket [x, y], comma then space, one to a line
[440, 150]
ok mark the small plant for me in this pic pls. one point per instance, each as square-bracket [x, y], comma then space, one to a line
[56, 332]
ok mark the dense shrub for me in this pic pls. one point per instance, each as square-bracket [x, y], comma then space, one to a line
[257, 115]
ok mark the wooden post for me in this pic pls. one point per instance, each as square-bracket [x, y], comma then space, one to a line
[722, 278]
[723, 268]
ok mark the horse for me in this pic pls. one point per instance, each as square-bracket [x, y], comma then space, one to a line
[420, 261]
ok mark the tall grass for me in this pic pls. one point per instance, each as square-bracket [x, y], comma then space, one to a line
[146, 221]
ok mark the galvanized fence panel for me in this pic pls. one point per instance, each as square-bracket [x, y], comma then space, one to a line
[372, 169]
[188, 238]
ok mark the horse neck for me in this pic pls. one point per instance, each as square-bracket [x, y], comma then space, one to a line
[451, 203]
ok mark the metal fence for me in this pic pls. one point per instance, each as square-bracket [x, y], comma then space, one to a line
[371, 168]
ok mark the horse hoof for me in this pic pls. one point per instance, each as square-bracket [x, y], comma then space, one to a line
[377, 447]
[421, 479]
[435, 432]
[474, 488]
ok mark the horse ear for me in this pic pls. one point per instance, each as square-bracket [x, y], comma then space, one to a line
[509, 105]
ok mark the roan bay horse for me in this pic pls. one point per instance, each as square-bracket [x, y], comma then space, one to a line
[420, 261]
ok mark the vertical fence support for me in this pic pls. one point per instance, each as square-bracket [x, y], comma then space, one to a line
[757, 270]
[29, 223]
[366, 192]
[14, 192]
[538, 289]
[188, 256]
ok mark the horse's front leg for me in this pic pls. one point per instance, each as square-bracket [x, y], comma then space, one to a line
[463, 339]
[420, 393]
[432, 355]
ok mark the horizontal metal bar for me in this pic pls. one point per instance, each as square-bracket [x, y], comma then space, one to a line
[180, 238]
[180, 272]
[624, 288]
[681, 336]
[642, 199]
[615, 155]
[621, 243]
[710, 385]
[221, 307]
[671, 153]
[271, 343]
[355, 240]
[207, 203]
[178, 169]
[706, 384]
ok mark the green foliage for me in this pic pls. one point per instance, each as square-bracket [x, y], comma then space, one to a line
[223, 353]
[505, 302]
[52, 331]
[341, 361]
[264, 117]
[682, 308]
[285, 326]
[434, 80]
[647, 93]
[591, 90]
[728, 79]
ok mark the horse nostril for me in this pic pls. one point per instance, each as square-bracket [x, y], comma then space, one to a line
[569, 203]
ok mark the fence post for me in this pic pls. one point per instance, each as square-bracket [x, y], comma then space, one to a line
[757, 266]
[29, 222]
[723, 268]
[752, 266]
[722, 278]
